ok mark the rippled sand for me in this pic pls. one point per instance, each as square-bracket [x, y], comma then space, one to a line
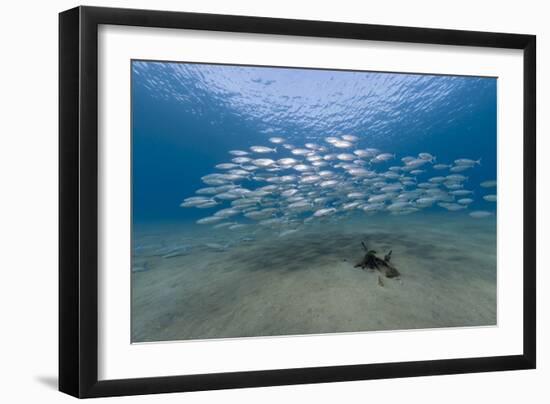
[191, 282]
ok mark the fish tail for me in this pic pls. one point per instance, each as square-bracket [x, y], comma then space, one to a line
[478, 161]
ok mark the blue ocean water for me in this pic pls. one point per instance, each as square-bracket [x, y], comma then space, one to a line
[186, 117]
[286, 175]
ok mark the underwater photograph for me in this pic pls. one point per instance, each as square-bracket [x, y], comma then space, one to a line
[280, 201]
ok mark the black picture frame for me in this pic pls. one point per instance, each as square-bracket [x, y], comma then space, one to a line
[78, 201]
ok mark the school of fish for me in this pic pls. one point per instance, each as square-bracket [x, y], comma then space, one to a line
[284, 187]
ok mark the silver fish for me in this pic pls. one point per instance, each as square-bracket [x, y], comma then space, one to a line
[456, 177]
[461, 192]
[301, 152]
[302, 167]
[350, 138]
[440, 166]
[238, 152]
[276, 140]
[263, 149]
[426, 156]
[345, 157]
[384, 157]
[209, 220]
[479, 214]
[363, 153]
[241, 160]
[458, 169]
[451, 206]
[342, 144]
[328, 183]
[488, 184]
[226, 166]
[467, 162]
[263, 162]
[287, 161]
[228, 212]
[324, 212]
[310, 179]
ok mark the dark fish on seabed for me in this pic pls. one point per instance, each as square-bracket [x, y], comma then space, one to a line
[371, 261]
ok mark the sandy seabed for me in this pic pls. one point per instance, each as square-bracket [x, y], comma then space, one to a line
[189, 282]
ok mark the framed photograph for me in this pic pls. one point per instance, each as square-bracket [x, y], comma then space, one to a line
[251, 201]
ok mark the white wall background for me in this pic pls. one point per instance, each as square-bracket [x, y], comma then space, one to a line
[28, 199]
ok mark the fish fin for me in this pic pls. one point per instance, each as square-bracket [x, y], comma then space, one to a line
[380, 281]
[478, 161]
